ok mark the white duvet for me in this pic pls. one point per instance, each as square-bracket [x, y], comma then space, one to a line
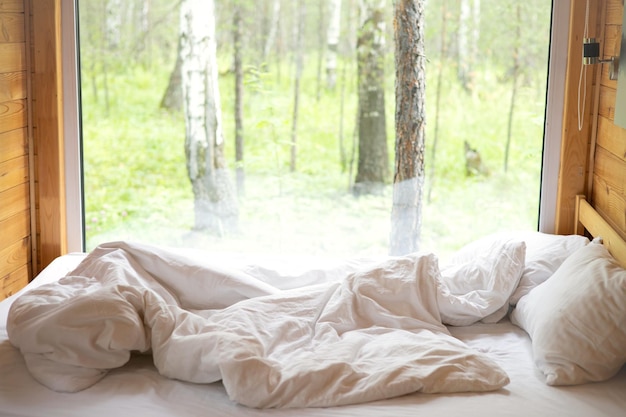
[366, 331]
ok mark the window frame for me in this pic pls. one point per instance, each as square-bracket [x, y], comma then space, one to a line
[72, 142]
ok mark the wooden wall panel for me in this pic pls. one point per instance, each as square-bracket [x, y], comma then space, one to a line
[614, 12]
[12, 27]
[13, 115]
[13, 144]
[14, 267]
[11, 6]
[12, 57]
[17, 225]
[608, 192]
[12, 172]
[48, 130]
[575, 141]
[15, 201]
[12, 86]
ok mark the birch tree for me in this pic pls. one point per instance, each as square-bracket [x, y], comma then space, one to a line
[273, 30]
[238, 64]
[113, 23]
[373, 166]
[215, 205]
[332, 42]
[410, 120]
[515, 75]
[467, 37]
[298, 33]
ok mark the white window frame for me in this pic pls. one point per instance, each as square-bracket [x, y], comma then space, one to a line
[72, 129]
[559, 40]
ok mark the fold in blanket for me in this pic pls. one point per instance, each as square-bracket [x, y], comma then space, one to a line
[365, 333]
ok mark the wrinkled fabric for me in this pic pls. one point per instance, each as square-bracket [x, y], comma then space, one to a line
[363, 334]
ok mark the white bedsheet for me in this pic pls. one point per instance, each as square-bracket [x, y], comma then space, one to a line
[376, 333]
[138, 389]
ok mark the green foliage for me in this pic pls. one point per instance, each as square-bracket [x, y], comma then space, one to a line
[136, 184]
[135, 176]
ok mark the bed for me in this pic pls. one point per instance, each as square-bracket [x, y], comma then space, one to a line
[542, 367]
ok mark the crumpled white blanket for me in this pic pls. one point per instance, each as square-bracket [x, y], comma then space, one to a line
[366, 332]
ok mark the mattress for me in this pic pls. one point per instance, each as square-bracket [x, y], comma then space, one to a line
[138, 389]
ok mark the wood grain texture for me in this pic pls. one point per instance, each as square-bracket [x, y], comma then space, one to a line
[12, 86]
[606, 166]
[14, 281]
[575, 142]
[11, 5]
[12, 57]
[13, 172]
[608, 192]
[609, 201]
[15, 228]
[14, 267]
[13, 144]
[611, 48]
[612, 138]
[14, 200]
[13, 114]
[11, 27]
[607, 103]
[594, 221]
[48, 130]
[614, 9]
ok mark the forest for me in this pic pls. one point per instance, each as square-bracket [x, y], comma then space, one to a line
[289, 161]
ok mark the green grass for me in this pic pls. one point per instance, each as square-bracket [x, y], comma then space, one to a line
[136, 185]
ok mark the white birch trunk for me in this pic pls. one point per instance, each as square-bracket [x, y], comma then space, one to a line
[463, 43]
[332, 40]
[475, 30]
[214, 204]
[273, 30]
[113, 23]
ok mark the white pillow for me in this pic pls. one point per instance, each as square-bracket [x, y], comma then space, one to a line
[544, 254]
[577, 319]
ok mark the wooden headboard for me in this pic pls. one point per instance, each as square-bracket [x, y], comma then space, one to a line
[587, 218]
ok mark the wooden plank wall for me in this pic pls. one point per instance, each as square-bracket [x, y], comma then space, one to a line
[607, 181]
[15, 231]
[47, 125]
[577, 120]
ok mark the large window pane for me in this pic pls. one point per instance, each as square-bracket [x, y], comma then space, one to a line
[485, 95]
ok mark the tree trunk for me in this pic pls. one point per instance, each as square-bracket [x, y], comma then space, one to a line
[273, 29]
[406, 213]
[173, 96]
[320, 50]
[113, 22]
[515, 76]
[332, 42]
[373, 164]
[143, 46]
[468, 37]
[299, 28]
[239, 143]
[215, 204]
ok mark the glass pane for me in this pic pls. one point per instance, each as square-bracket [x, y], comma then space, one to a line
[294, 183]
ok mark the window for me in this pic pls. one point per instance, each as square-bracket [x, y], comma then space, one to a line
[136, 184]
